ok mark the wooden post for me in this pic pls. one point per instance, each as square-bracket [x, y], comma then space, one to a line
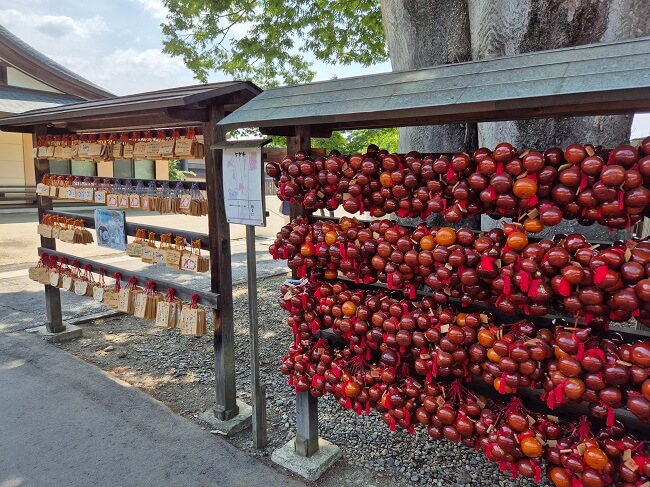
[306, 405]
[54, 323]
[220, 270]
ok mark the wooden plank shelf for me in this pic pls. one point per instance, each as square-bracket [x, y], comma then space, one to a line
[629, 334]
[185, 293]
[532, 238]
[530, 396]
[187, 184]
[131, 228]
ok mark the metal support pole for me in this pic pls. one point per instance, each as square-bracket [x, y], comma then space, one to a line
[258, 397]
[54, 323]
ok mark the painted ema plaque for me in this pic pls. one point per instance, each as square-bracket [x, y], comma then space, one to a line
[243, 185]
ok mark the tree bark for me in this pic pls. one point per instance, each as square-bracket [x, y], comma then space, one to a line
[423, 33]
[509, 27]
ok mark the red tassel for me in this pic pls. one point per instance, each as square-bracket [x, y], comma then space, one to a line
[502, 384]
[389, 280]
[392, 423]
[450, 172]
[506, 286]
[583, 182]
[538, 473]
[357, 408]
[599, 275]
[368, 408]
[564, 288]
[486, 263]
[534, 288]
[524, 284]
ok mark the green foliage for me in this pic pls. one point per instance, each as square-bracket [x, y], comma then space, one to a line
[279, 36]
[177, 174]
[353, 141]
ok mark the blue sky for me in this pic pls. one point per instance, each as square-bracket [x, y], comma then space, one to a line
[117, 44]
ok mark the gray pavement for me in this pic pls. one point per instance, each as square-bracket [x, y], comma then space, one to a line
[64, 422]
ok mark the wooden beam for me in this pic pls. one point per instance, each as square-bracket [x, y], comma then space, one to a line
[306, 442]
[159, 182]
[187, 114]
[315, 131]
[3, 74]
[54, 323]
[185, 293]
[220, 269]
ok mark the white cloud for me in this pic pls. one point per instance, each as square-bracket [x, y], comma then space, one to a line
[126, 71]
[155, 7]
[56, 26]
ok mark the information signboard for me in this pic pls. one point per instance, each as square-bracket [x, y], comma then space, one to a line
[243, 181]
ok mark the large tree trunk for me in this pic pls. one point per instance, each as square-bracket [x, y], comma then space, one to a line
[508, 27]
[423, 33]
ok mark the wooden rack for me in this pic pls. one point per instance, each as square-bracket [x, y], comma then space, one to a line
[451, 94]
[199, 107]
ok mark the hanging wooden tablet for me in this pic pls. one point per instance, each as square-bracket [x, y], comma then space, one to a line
[134, 249]
[173, 254]
[193, 318]
[99, 288]
[112, 295]
[148, 249]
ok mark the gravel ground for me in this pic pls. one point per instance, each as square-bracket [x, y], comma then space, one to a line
[177, 370]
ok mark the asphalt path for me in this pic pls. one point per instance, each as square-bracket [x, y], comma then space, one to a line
[66, 423]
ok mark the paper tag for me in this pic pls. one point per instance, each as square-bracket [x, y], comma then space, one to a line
[531, 420]
[484, 318]
[553, 418]
[627, 454]
[552, 443]
[631, 464]
[444, 328]
[581, 448]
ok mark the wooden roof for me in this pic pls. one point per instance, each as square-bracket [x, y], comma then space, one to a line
[25, 58]
[608, 78]
[176, 107]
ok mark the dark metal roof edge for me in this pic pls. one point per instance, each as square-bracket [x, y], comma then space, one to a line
[139, 101]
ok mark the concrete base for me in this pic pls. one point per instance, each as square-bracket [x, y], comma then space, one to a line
[309, 468]
[71, 332]
[231, 426]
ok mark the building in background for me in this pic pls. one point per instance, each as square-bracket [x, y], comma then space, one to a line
[30, 80]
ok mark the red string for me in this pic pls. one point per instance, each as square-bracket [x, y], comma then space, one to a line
[195, 300]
